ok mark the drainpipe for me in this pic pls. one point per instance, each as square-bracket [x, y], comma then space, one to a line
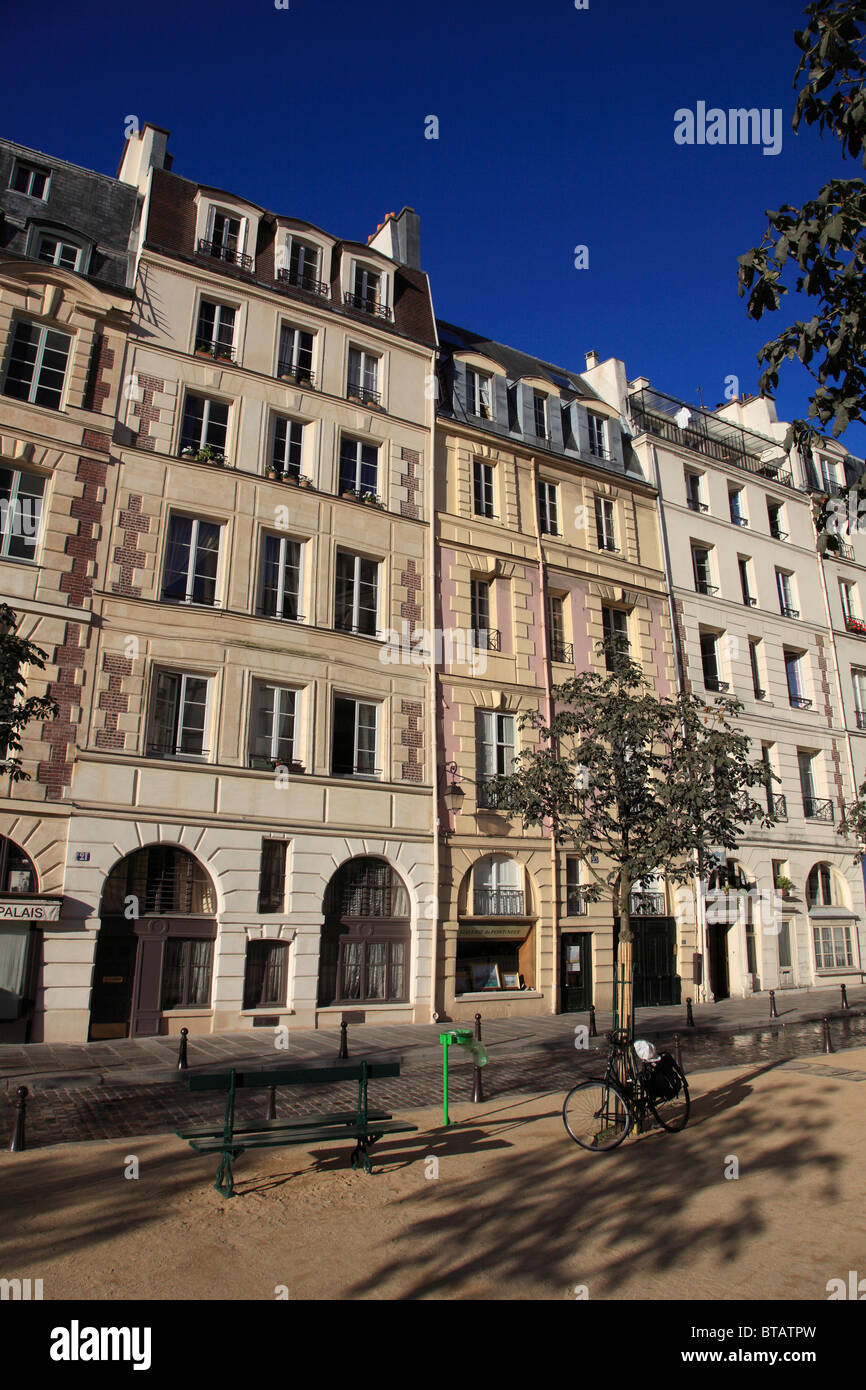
[548, 691]
[430, 607]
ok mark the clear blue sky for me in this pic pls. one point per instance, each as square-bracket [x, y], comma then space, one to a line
[555, 129]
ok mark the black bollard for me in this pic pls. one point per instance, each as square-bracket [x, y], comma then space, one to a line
[18, 1144]
[773, 1013]
[828, 1041]
[593, 1031]
[678, 1056]
[344, 1042]
[182, 1063]
[477, 1092]
[690, 1018]
[845, 1004]
[272, 1103]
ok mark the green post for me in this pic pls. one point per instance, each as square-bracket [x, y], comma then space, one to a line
[445, 1039]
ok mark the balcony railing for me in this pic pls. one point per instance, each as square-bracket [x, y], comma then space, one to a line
[575, 902]
[363, 393]
[701, 587]
[487, 639]
[760, 694]
[845, 551]
[300, 280]
[855, 625]
[749, 601]
[354, 770]
[713, 683]
[221, 351]
[598, 452]
[607, 543]
[777, 805]
[778, 535]
[262, 763]
[281, 617]
[697, 506]
[708, 434]
[168, 750]
[223, 253]
[646, 905]
[488, 798]
[562, 651]
[367, 305]
[815, 808]
[498, 902]
[799, 702]
[787, 612]
[739, 521]
[302, 375]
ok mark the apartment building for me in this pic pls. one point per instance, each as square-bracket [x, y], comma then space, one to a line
[65, 308]
[546, 545]
[750, 601]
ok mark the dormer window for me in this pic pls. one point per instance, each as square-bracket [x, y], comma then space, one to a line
[29, 179]
[225, 239]
[539, 415]
[478, 394]
[60, 251]
[303, 269]
[597, 435]
[368, 291]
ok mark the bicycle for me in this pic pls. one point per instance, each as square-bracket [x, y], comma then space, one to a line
[600, 1113]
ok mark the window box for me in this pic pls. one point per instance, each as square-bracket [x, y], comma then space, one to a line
[301, 376]
[353, 493]
[216, 350]
[207, 454]
[371, 500]
[856, 625]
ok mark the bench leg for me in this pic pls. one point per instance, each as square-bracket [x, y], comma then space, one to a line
[360, 1155]
[225, 1183]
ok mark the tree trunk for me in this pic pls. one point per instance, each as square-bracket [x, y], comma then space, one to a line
[624, 982]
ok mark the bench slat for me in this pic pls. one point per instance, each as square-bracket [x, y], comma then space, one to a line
[295, 1076]
[345, 1117]
[302, 1136]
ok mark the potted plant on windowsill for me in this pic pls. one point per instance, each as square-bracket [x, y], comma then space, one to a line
[371, 500]
[784, 886]
[304, 481]
[351, 492]
[274, 473]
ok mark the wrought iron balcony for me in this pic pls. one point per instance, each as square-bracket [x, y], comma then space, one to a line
[608, 543]
[168, 750]
[598, 452]
[697, 506]
[562, 651]
[646, 905]
[845, 551]
[221, 351]
[367, 305]
[777, 805]
[787, 612]
[701, 587]
[263, 763]
[488, 798]
[280, 617]
[860, 716]
[760, 694]
[713, 683]
[749, 601]
[815, 808]
[799, 702]
[739, 521]
[300, 280]
[575, 903]
[301, 375]
[363, 393]
[223, 253]
[706, 433]
[487, 639]
[778, 535]
[498, 902]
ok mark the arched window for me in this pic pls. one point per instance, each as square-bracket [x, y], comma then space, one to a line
[365, 937]
[823, 888]
[497, 887]
[163, 879]
[17, 874]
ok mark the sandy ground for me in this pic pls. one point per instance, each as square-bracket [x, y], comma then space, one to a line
[517, 1211]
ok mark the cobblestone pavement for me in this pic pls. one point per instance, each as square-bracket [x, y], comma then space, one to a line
[64, 1114]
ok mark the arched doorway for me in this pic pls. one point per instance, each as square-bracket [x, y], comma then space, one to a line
[366, 936]
[155, 948]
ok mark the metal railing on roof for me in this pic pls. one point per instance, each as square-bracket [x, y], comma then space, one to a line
[707, 434]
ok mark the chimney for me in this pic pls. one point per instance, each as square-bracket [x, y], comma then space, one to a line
[145, 150]
[399, 237]
[591, 359]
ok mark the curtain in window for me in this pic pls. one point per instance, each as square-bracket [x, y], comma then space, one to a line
[351, 971]
[200, 971]
[395, 970]
[206, 559]
[177, 557]
[13, 958]
[376, 952]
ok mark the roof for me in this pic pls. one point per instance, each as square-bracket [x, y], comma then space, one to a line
[514, 363]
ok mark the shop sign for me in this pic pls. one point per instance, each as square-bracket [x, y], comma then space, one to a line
[492, 931]
[29, 910]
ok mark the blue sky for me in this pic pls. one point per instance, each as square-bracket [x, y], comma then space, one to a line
[555, 130]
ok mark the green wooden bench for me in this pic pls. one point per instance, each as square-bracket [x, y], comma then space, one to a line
[362, 1125]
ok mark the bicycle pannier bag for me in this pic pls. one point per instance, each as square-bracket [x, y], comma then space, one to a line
[663, 1081]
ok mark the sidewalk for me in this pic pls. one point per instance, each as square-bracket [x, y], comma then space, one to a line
[735, 1028]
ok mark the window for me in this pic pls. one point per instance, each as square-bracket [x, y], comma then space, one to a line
[776, 804]
[820, 887]
[548, 511]
[478, 394]
[604, 523]
[497, 885]
[776, 518]
[482, 488]
[754, 666]
[367, 285]
[363, 377]
[710, 662]
[357, 594]
[560, 650]
[832, 947]
[21, 496]
[693, 493]
[794, 675]
[814, 807]
[273, 729]
[575, 896]
[597, 438]
[288, 447]
[191, 561]
[829, 473]
[483, 635]
[272, 876]
[187, 966]
[215, 331]
[850, 601]
[266, 972]
[786, 597]
[735, 502]
[494, 752]
[539, 415]
[355, 738]
[165, 880]
[225, 238]
[205, 425]
[69, 255]
[359, 467]
[17, 874]
[295, 357]
[702, 570]
[858, 678]
[281, 578]
[364, 952]
[748, 598]
[37, 364]
[614, 624]
[303, 269]
[29, 179]
[179, 720]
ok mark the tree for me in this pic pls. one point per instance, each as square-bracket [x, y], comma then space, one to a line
[822, 245]
[16, 712]
[638, 784]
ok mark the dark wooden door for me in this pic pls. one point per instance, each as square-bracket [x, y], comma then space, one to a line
[113, 977]
[575, 971]
[718, 953]
[656, 980]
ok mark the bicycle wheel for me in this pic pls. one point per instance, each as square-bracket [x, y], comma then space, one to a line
[673, 1114]
[597, 1115]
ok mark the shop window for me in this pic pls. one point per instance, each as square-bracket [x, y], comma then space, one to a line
[17, 874]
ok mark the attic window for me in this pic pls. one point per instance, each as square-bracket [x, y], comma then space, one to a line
[29, 179]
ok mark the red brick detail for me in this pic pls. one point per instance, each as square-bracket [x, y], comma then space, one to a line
[98, 388]
[412, 739]
[94, 439]
[128, 556]
[56, 772]
[77, 582]
[146, 411]
[411, 607]
[113, 700]
[411, 507]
